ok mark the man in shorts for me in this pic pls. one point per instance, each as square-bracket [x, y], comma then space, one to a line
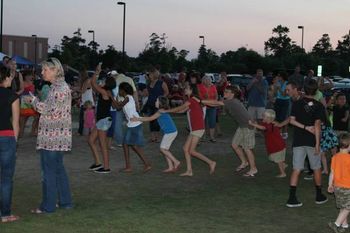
[243, 141]
[306, 112]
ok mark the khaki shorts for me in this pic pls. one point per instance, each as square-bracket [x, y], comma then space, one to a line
[342, 198]
[245, 138]
[277, 157]
[256, 112]
[167, 140]
[198, 133]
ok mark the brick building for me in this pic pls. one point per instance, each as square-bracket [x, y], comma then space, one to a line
[25, 46]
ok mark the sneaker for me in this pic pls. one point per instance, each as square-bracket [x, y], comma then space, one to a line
[94, 167]
[335, 228]
[103, 170]
[321, 199]
[293, 203]
[309, 177]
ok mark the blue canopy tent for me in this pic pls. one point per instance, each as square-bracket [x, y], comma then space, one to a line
[22, 61]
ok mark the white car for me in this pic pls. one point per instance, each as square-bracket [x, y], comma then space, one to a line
[344, 83]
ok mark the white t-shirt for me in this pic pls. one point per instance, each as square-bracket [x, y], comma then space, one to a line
[129, 110]
[87, 96]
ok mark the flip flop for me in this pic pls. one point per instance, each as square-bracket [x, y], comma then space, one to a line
[148, 168]
[250, 174]
[241, 168]
[10, 218]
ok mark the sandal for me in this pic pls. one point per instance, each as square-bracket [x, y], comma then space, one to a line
[147, 168]
[10, 218]
[250, 174]
[242, 167]
[37, 211]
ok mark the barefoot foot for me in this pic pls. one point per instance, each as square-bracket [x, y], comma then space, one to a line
[212, 167]
[168, 170]
[187, 173]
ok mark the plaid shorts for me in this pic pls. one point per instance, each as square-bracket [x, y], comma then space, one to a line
[342, 198]
[245, 138]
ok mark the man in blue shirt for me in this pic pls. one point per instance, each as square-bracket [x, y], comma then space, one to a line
[257, 95]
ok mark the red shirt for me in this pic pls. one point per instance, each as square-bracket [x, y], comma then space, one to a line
[273, 139]
[195, 115]
[207, 93]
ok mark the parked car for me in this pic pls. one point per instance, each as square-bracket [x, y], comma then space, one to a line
[344, 83]
[238, 79]
[336, 78]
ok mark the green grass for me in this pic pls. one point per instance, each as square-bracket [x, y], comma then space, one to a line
[153, 202]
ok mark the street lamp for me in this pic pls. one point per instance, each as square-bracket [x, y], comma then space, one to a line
[202, 37]
[1, 13]
[93, 38]
[35, 48]
[302, 36]
[124, 4]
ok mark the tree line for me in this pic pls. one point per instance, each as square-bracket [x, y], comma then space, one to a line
[281, 53]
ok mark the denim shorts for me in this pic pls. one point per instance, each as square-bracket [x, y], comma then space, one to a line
[104, 124]
[134, 136]
[299, 155]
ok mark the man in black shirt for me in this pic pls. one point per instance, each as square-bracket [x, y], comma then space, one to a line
[340, 114]
[307, 113]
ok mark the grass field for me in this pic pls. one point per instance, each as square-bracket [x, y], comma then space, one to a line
[158, 203]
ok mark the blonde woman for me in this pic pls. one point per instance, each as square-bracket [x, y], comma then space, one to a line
[54, 138]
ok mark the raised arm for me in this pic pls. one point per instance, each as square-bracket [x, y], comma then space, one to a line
[94, 84]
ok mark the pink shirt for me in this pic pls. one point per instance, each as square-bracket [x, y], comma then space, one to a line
[89, 118]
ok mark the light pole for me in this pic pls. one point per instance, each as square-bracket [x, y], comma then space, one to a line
[35, 48]
[203, 40]
[93, 38]
[1, 25]
[302, 36]
[124, 4]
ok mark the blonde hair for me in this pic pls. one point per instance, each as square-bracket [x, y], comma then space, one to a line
[54, 63]
[87, 104]
[270, 114]
[344, 140]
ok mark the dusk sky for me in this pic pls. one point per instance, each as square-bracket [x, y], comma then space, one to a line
[226, 24]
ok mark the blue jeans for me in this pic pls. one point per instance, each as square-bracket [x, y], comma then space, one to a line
[81, 120]
[7, 165]
[210, 117]
[119, 128]
[54, 181]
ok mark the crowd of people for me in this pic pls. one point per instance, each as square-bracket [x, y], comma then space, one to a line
[112, 107]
